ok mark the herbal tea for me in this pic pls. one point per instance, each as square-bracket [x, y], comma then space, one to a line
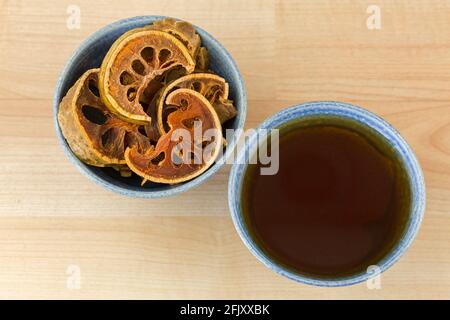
[338, 204]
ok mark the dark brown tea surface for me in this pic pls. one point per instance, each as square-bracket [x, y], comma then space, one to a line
[338, 203]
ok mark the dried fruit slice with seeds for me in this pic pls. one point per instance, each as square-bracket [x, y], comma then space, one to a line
[211, 86]
[133, 64]
[95, 135]
[182, 30]
[189, 148]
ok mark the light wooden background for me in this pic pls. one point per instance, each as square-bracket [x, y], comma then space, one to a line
[52, 217]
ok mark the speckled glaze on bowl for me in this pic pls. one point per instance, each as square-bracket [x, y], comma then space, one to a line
[90, 55]
[366, 118]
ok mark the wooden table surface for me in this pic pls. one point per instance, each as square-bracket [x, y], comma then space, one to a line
[62, 236]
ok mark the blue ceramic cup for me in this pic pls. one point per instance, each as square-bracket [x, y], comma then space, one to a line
[90, 55]
[365, 118]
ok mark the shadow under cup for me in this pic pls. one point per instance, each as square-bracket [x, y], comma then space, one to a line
[316, 238]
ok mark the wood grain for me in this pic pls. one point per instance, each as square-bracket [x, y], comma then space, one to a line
[289, 52]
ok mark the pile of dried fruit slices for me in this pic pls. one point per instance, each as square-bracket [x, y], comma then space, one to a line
[153, 81]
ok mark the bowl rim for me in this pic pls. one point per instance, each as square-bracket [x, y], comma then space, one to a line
[148, 193]
[366, 118]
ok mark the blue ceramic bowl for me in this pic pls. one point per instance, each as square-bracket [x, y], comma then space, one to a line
[90, 55]
[366, 118]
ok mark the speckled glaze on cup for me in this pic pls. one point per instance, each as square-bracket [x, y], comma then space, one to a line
[366, 118]
[90, 55]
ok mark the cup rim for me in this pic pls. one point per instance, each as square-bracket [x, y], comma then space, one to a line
[122, 188]
[366, 118]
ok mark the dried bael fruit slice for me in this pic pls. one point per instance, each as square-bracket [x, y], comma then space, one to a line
[182, 30]
[211, 86]
[94, 134]
[134, 65]
[202, 60]
[190, 146]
